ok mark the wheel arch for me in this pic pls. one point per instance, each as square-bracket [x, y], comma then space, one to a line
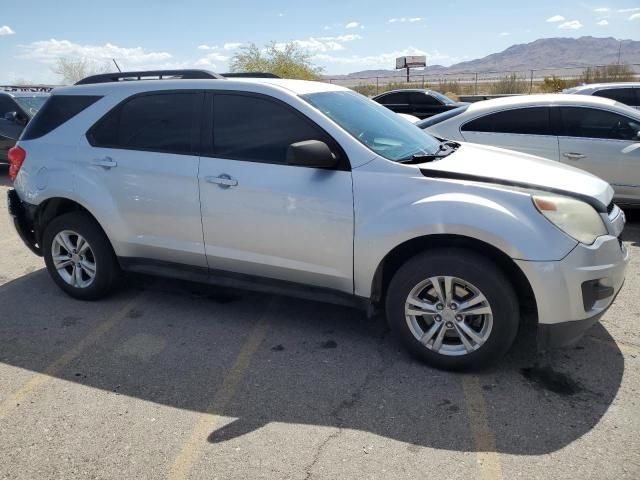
[395, 258]
[54, 207]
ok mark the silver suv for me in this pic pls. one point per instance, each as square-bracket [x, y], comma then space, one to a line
[313, 190]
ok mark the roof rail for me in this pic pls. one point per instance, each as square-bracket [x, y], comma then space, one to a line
[149, 75]
[250, 75]
[26, 88]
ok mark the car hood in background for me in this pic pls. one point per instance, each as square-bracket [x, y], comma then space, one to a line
[505, 167]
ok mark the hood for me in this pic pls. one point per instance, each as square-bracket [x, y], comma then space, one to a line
[487, 164]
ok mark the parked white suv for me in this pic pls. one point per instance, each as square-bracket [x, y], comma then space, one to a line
[313, 190]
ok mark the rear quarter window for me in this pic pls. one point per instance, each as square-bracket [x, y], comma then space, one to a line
[57, 110]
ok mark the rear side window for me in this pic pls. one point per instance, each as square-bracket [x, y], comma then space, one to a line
[6, 105]
[594, 123]
[529, 121]
[259, 130]
[159, 122]
[57, 110]
[424, 99]
[622, 95]
[400, 98]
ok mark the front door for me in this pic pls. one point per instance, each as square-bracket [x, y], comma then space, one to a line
[606, 144]
[262, 217]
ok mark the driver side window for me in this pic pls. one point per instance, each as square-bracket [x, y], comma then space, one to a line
[595, 123]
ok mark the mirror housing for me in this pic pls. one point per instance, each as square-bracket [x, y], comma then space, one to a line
[311, 153]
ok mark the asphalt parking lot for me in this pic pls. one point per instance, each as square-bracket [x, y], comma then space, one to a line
[174, 380]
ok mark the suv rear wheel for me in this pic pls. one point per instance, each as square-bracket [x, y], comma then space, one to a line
[79, 256]
[453, 308]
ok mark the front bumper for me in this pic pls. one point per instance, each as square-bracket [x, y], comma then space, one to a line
[573, 293]
[23, 220]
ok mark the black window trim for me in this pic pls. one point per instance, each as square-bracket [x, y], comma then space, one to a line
[552, 130]
[195, 133]
[561, 126]
[207, 141]
[379, 98]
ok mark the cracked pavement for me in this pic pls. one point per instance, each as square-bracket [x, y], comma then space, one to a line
[169, 379]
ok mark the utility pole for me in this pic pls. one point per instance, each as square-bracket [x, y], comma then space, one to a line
[619, 51]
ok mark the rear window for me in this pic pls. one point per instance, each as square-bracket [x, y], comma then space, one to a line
[441, 117]
[57, 110]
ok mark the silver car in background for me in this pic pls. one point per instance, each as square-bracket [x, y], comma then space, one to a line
[313, 190]
[627, 93]
[595, 134]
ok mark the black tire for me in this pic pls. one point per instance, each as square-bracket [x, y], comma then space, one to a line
[481, 273]
[107, 269]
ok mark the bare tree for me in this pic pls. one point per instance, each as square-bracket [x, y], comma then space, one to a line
[72, 70]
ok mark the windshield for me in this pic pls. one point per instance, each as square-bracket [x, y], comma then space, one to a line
[443, 98]
[377, 127]
[30, 105]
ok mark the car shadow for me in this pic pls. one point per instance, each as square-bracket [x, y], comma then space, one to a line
[317, 365]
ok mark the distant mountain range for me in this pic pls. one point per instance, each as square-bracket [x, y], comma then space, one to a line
[542, 53]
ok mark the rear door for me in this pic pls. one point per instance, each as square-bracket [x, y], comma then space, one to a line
[604, 143]
[145, 153]
[262, 217]
[525, 130]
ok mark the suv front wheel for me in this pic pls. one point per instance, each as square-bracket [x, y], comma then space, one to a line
[79, 256]
[453, 308]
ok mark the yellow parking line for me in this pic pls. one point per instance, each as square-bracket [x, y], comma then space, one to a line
[54, 368]
[483, 438]
[186, 459]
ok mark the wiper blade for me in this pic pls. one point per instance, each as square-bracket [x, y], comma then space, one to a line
[423, 158]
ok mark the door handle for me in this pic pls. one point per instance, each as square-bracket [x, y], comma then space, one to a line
[223, 181]
[573, 155]
[106, 162]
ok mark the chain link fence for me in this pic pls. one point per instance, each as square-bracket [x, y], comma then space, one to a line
[542, 80]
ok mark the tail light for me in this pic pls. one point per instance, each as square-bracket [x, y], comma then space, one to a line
[16, 157]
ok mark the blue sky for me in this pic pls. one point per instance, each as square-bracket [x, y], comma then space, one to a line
[342, 36]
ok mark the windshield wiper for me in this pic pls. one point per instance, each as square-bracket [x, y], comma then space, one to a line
[447, 147]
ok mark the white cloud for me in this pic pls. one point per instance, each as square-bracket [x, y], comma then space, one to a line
[47, 51]
[629, 10]
[602, 10]
[232, 45]
[602, 23]
[505, 34]
[6, 30]
[281, 14]
[208, 47]
[635, 16]
[352, 25]
[405, 19]
[555, 18]
[571, 25]
[323, 44]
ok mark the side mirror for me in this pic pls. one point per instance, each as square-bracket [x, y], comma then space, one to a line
[15, 117]
[311, 153]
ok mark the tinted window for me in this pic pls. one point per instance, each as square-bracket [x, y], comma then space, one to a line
[423, 99]
[395, 99]
[622, 95]
[164, 122]
[530, 121]
[57, 110]
[441, 117]
[6, 105]
[260, 130]
[594, 123]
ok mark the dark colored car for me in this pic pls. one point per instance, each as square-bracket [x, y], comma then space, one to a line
[417, 102]
[16, 109]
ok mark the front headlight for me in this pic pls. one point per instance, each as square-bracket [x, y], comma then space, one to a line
[574, 217]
